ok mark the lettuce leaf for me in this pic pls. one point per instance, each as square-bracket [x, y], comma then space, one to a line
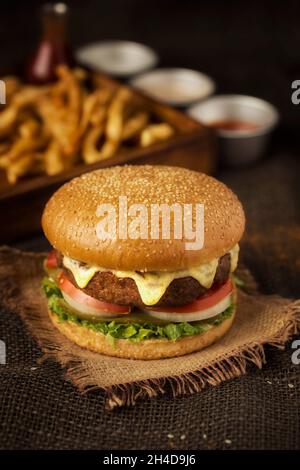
[238, 281]
[50, 288]
[132, 331]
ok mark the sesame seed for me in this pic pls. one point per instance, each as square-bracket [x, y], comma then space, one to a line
[72, 211]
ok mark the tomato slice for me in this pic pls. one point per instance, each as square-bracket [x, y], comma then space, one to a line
[209, 299]
[84, 299]
[51, 261]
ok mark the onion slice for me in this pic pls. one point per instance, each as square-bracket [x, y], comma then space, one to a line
[209, 312]
[86, 312]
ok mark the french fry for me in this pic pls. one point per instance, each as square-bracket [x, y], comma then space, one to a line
[20, 168]
[29, 95]
[4, 161]
[99, 113]
[90, 152]
[73, 94]
[54, 162]
[155, 133]
[26, 96]
[134, 125]
[80, 73]
[93, 111]
[115, 118]
[49, 128]
[93, 105]
[109, 148]
[25, 144]
[73, 109]
[29, 128]
[8, 119]
[104, 96]
[12, 86]
[89, 104]
[53, 122]
[98, 116]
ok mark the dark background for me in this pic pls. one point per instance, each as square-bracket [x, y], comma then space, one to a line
[247, 47]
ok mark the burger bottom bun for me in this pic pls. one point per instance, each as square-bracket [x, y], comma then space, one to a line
[147, 349]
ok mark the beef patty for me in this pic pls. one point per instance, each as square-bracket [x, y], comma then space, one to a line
[107, 287]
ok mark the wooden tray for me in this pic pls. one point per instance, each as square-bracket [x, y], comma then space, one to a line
[21, 205]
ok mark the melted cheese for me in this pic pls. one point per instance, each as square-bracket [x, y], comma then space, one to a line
[82, 272]
[151, 285]
[234, 257]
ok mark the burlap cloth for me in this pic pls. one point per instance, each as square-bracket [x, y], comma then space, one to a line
[260, 320]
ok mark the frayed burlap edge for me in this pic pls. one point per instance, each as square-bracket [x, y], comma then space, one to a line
[193, 382]
[235, 365]
[127, 394]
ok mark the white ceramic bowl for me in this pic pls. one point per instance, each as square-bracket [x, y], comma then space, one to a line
[118, 58]
[178, 87]
[239, 147]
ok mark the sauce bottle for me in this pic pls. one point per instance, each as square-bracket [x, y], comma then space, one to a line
[52, 48]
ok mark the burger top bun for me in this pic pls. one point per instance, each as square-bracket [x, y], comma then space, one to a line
[70, 218]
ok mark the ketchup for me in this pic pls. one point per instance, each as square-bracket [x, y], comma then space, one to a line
[52, 48]
[233, 125]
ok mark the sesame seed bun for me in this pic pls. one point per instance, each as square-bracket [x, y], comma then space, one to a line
[146, 349]
[69, 220]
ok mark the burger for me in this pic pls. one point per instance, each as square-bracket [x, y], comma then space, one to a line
[122, 287]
